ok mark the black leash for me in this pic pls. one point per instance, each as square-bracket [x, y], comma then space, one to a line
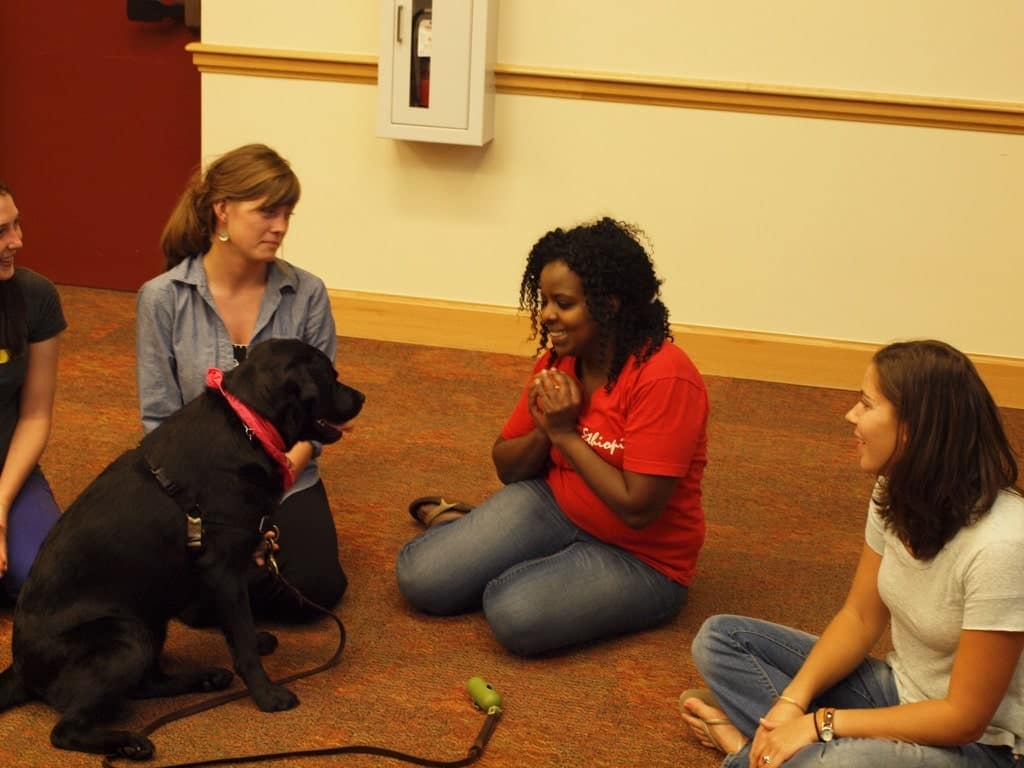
[483, 695]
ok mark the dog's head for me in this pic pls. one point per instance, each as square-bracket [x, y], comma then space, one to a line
[295, 387]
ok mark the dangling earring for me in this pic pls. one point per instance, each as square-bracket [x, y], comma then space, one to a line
[223, 236]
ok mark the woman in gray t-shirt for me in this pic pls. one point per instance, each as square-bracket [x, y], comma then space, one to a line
[942, 565]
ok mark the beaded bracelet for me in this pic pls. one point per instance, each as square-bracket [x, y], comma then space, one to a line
[794, 702]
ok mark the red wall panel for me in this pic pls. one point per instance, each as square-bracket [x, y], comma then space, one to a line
[99, 130]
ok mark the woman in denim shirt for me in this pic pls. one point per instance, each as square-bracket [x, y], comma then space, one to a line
[225, 290]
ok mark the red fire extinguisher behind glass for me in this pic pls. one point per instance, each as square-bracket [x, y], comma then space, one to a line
[419, 86]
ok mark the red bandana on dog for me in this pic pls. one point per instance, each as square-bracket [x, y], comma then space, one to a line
[263, 430]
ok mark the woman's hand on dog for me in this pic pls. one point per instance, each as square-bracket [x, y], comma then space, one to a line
[299, 456]
[266, 549]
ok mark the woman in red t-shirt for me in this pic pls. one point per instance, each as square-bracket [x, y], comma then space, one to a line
[597, 529]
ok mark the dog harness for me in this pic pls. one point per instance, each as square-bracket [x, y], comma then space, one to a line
[194, 518]
[256, 427]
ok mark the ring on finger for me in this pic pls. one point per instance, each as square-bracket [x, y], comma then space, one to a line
[766, 759]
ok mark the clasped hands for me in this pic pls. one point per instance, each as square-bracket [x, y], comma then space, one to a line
[783, 731]
[555, 401]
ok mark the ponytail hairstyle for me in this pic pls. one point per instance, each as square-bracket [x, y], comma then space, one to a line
[13, 318]
[953, 458]
[250, 172]
[611, 263]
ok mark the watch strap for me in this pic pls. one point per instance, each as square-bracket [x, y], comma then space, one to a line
[828, 732]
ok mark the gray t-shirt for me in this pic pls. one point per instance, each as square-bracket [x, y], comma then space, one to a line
[45, 319]
[976, 582]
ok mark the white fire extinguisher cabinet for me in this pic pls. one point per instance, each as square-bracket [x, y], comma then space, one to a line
[435, 71]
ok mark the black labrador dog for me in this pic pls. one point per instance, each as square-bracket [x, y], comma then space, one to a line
[181, 513]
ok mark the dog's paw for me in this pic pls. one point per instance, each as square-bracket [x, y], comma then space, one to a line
[266, 643]
[136, 747]
[81, 736]
[217, 679]
[275, 698]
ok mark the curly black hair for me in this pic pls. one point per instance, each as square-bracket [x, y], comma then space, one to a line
[954, 458]
[611, 262]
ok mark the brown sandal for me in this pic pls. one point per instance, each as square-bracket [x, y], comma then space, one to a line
[427, 519]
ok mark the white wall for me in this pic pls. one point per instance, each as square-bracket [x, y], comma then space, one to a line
[821, 228]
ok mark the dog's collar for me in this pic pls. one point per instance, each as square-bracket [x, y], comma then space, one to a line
[256, 426]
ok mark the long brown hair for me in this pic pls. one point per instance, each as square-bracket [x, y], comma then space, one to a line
[953, 458]
[13, 319]
[249, 172]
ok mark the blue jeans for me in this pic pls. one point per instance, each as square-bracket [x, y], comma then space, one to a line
[29, 519]
[542, 582]
[747, 663]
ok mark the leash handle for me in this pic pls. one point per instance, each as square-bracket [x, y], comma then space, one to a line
[484, 696]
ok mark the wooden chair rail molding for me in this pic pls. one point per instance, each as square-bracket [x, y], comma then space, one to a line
[959, 114]
[716, 351]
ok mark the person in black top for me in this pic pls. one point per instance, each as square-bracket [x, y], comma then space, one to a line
[31, 320]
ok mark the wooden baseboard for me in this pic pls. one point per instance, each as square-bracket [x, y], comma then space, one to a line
[433, 323]
[716, 351]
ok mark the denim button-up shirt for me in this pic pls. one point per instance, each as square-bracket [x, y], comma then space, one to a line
[179, 335]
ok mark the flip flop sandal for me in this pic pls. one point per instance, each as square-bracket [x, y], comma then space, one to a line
[703, 694]
[427, 519]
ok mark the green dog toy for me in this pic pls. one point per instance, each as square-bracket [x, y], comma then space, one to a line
[483, 695]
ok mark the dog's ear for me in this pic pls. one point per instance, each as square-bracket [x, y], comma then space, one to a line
[296, 410]
[308, 388]
[257, 381]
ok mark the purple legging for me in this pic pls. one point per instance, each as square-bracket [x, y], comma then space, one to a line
[28, 521]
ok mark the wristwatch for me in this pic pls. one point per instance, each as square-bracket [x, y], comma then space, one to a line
[827, 732]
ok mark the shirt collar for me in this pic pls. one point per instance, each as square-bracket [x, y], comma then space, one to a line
[190, 271]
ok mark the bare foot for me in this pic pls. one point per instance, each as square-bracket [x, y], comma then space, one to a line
[711, 727]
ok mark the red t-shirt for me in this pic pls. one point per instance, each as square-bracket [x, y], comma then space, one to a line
[653, 422]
